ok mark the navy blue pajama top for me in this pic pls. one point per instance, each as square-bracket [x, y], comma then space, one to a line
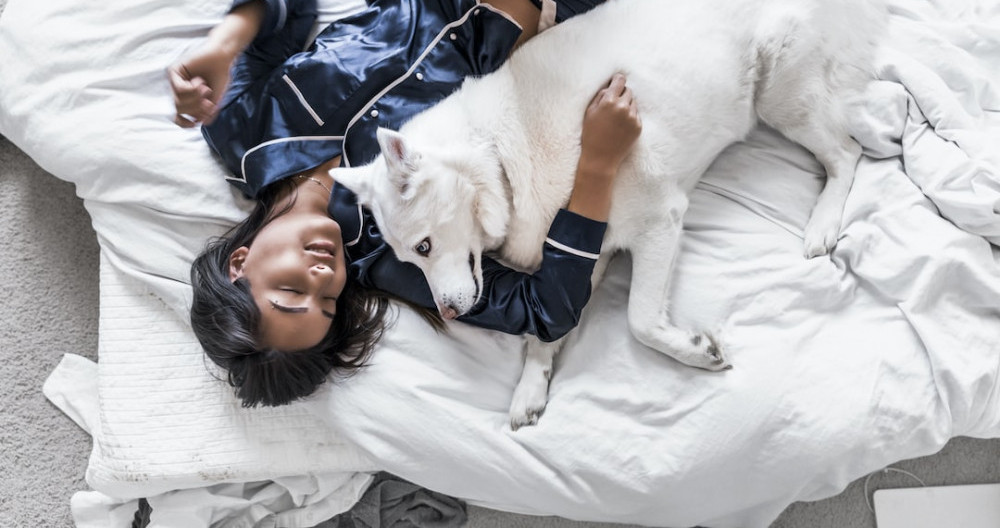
[288, 110]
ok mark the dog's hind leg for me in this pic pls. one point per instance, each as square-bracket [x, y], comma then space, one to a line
[823, 227]
[821, 130]
[653, 255]
[804, 93]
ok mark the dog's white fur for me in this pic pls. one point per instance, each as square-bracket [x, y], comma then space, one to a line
[488, 168]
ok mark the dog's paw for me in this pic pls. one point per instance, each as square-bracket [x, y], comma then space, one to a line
[819, 244]
[707, 353]
[821, 234]
[528, 403]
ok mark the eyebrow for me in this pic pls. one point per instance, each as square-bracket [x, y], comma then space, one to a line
[297, 309]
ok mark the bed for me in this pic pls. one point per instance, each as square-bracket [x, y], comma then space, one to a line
[881, 352]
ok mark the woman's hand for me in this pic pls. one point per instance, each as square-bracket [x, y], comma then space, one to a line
[198, 83]
[200, 80]
[611, 125]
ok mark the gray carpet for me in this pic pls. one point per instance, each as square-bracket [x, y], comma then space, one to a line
[49, 287]
[48, 282]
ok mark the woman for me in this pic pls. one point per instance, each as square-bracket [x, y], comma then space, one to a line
[299, 289]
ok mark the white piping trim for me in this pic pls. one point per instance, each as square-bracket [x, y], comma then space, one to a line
[243, 161]
[371, 102]
[282, 15]
[501, 13]
[361, 227]
[302, 100]
[548, 17]
[572, 251]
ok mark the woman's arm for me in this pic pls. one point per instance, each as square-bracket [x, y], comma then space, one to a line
[534, 15]
[610, 125]
[200, 79]
[524, 12]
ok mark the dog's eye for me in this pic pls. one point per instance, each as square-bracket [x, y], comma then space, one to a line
[423, 248]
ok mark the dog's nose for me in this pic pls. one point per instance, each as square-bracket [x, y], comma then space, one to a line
[448, 311]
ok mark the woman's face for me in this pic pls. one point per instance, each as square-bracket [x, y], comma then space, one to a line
[296, 270]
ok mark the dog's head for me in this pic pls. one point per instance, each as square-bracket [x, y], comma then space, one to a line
[439, 207]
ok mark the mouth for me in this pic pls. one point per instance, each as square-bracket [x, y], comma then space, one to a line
[452, 310]
[322, 249]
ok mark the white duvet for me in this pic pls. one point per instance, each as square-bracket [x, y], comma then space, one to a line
[843, 365]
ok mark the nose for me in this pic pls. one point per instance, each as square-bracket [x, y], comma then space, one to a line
[321, 273]
[448, 311]
[320, 270]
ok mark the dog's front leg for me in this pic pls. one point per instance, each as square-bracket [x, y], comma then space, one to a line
[532, 391]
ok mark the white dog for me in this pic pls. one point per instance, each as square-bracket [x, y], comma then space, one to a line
[500, 154]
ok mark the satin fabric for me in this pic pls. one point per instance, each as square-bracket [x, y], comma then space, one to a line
[289, 111]
[286, 112]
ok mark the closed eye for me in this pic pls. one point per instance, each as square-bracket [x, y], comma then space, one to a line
[298, 309]
[288, 309]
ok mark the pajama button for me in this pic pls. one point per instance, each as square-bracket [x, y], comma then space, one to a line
[374, 113]
[420, 76]
[453, 36]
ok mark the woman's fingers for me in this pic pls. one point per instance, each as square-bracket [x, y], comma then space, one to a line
[626, 97]
[615, 89]
[192, 97]
[184, 121]
[617, 85]
[183, 84]
[201, 111]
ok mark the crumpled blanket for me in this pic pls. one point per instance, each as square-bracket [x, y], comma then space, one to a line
[391, 502]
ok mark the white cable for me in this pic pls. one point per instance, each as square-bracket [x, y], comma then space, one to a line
[868, 501]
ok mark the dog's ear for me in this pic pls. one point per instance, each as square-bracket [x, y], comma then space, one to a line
[357, 179]
[401, 160]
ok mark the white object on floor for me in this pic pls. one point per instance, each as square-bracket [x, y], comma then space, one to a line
[963, 506]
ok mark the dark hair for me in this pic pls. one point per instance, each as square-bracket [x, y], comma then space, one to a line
[225, 317]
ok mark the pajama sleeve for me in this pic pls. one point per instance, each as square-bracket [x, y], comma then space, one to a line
[547, 303]
[278, 12]
[566, 8]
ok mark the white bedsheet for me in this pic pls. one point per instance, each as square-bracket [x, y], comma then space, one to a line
[842, 365]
